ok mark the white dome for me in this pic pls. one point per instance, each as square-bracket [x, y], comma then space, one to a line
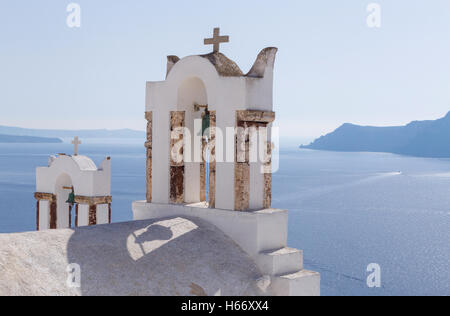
[174, 256]
[84, 163]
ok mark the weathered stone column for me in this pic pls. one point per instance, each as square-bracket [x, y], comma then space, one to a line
[53, 215]
[268, 177]
[212, 164]
[76, 215]
[92, 214]
[149, 146]
[242, 168]
[93, 210]
[177, 124]
[203, 172]
[45, 211]
[70, 216]
[244, 121]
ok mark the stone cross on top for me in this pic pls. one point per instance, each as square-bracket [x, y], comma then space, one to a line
[75, 143]
[216, 40]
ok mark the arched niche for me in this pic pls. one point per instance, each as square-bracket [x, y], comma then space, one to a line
[63, 187]
[192, 92]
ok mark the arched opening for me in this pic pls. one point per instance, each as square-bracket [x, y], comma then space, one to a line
[63, 188]
[193, 101]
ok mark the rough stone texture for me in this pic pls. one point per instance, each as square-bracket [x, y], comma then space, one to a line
[266, 58]
[177, 185]
[255, 116]
[242, 186]
[242, 167]
[267, 190]
[148, 145]
[202, 182]
[177, 120]
[268, 178]
[247, 122]
[93, 200]
[228, 68]
[70, 215]
[76, 215]
[37, 215]
[53, 215]
[92, 215]
[159, 257]
[171, 61]
[212, 164]
[224, 66]
[45, 196]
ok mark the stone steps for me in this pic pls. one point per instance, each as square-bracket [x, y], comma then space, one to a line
[301, 283]
[288, 277]
[280, 261]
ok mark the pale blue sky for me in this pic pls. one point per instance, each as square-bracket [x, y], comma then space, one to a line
[331, 68]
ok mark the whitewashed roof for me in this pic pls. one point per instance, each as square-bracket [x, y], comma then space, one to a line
[175, 256]
[84, 163]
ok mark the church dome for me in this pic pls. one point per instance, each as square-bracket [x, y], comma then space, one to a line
[84, 163]
[175, 256]
[224, 66]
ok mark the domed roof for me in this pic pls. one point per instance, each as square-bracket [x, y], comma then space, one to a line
[228, 68]
[84, 163]
[175, 256]
[225, 66]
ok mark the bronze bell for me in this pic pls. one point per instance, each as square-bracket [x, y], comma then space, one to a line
[71, 199]
[205, 122]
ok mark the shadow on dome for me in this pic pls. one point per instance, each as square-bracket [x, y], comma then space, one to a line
[160, 257]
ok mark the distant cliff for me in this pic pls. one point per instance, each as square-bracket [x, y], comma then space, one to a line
[98, 133]
[419, 138]
[27, 139]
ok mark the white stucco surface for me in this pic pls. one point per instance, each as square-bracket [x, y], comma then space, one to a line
[261, 234]
[81, 172]
[254, 232]
[153, 257]
[196, 80]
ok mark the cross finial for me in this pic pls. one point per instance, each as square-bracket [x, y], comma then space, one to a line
[75, 143]
[216, 40]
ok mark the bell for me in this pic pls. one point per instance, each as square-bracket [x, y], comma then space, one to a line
[205, 122]
[71, 199]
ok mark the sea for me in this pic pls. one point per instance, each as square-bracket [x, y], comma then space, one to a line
[347, 211]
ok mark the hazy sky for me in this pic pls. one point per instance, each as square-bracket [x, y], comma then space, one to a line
[331, 67]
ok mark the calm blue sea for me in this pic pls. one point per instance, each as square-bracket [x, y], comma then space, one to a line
[347, 210]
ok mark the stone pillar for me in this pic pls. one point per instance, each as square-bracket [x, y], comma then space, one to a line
[212, 164]
[37, 215]
[203, 172]
[268, 178]
[53, 215]
[76, 215]
[93, 210]
[70, 216]
[92, 214]
[245, 120]
[45, 211]
[177, 123]
[149, 146]
[242, 168]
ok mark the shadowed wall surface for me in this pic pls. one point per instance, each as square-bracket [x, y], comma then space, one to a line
[174, 256]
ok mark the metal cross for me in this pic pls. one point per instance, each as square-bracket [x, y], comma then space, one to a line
[216, 40]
